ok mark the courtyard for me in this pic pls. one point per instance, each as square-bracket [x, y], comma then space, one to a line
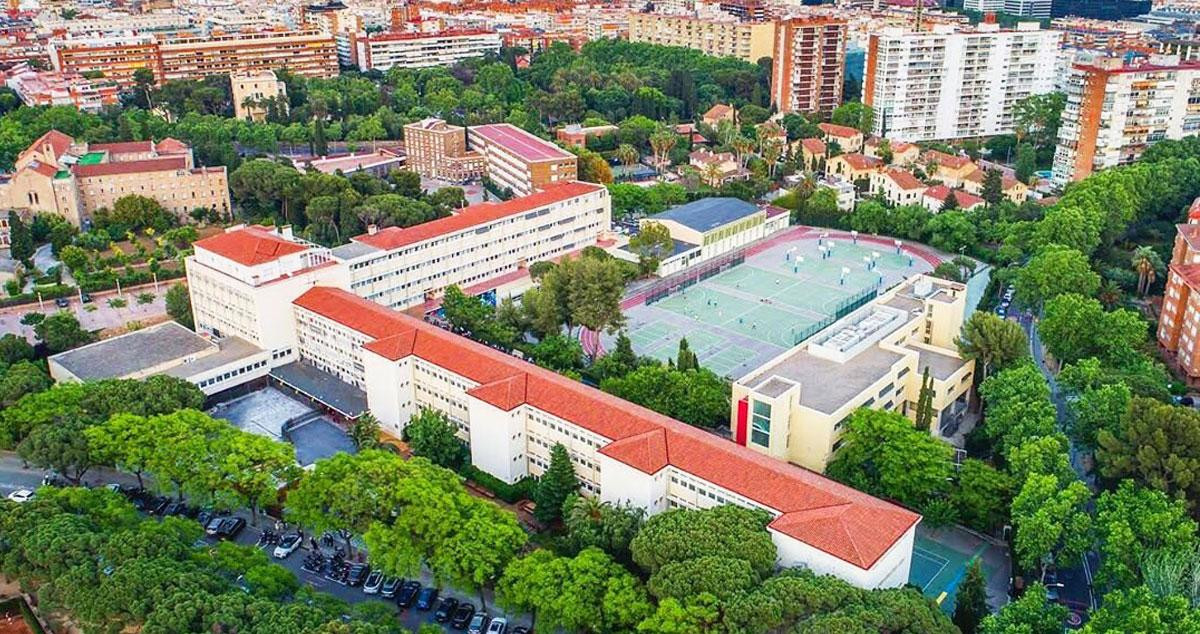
[273, 413]
[740, 315]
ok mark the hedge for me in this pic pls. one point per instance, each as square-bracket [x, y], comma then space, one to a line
[48, 293]
[511, 493]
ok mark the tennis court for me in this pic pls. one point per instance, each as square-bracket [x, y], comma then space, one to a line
[741, 317]
[939, 565]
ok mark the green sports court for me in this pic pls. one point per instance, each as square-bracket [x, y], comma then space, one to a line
[738, 317]
[940, 560]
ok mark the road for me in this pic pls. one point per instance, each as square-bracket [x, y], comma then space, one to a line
[102, 317]
[1077, 581]
[14, 475]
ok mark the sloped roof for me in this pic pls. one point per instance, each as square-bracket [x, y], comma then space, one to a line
[860, 161]
[947, 160]
[840, 131]
[829, 516]
[130, 167]
[814, 146]
[966, 200]
[904, 180]
[59, 143]
[707, 214]
[250, 246]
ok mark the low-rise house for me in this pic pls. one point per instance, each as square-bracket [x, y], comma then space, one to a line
[717, 168]
[812, 151]
[934, 198]
[949, 169]
[852, 167]
[718, 113]
[897, 186]
[1014, 190]
[903, 154]
[847, 138]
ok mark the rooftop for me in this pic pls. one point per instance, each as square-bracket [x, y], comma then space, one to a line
[131, 167]
[134, 353]
[520, 142]
[707, 214]
[841, 131]
[475, 215]
[824, 514]
[826, 385]
[251, 245]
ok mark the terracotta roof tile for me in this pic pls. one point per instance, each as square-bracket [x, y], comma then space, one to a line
[59, 143]
[396, 237]
[45, 169]
[130, 167]
[904, 180]
[966, 200]
[250, 246]
[171, 146]
[860, 162]
[125, 147]
[947, 160]
[814, 146]
[840, 131]
[829, 516]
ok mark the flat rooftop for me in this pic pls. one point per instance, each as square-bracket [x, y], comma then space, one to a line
[707, 214]
[134, 352]
[826, 385]
[520, 142]
[331, 391]
[229, 350]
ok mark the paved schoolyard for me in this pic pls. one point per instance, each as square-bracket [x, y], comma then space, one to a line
[941, 558]
[784, 292]
[264, 412]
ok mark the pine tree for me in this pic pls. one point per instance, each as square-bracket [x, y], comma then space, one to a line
[951, 202]
[623, 353]
[925, 402]
[686, 359]
[320, 145]
[554, 486]
[21, 238]
[993, 187]
[970, 605]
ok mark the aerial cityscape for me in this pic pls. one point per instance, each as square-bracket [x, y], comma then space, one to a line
[666, 317]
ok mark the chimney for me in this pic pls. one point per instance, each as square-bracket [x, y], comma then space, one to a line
[372, 229]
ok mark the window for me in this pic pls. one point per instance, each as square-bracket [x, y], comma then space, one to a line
[760, 424]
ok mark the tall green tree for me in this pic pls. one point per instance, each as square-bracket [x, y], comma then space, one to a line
[61, 332]
[554, 486]
[993, 187]
[431, 435]
[992, 342]
[883, 454]
[591, 523]
[1030, 614]
[1052, 521]
[683, 534]
[1133, 521]
[982, 495]
[925, 403]
[1140, 610]
[179, 305]
[1147, 263]
[1157, 445]
[20, 238]
[685, 359]
[1054, 271]
[970, 602]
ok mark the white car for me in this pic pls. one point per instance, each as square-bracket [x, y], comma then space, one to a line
[497, 626]
[287, 545]
[21, 496]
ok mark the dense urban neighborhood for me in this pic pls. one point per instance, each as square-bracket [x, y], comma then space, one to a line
[683, 317]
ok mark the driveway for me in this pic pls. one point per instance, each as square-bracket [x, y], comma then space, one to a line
[102, 317]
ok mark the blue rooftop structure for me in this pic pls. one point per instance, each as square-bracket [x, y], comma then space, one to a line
[707, 214]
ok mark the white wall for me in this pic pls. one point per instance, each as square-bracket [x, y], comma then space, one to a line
[890, 571]
[622, 484]
[498, 440]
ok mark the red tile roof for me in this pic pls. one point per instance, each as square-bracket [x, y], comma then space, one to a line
[1189, 273]
[396, 237]
[45, 169]
[250, 246]
[1194, 210]
[814, 146]
[718, 111]
[126, 147]
[904, 179]
[860, 162]
[829, 516]
[59, 143]
[171, 146]
[947, 160]
[521, 143]
[966, 200]
[131, 167]
[840, 131]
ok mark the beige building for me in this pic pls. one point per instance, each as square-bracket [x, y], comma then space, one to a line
[437, 149]
[897, 186]
[795, 407]
[520, 161]
[809, 64]
[58, 175]
[381, 51]
[725, 37]
[252, 89]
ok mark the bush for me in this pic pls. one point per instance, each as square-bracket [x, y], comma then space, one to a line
[511, 493]
[145, 298]
[48, 293]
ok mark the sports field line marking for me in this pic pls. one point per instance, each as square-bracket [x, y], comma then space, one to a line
[934, 557]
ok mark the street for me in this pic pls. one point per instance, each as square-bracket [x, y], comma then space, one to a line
[14, 475]
[1076, 591]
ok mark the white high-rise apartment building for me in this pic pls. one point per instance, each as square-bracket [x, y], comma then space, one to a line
[1114, 111]
[953, 82]
[1028, 8]
[983, 6]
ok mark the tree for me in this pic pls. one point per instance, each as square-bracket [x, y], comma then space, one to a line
[126, 441]
[1052, 521]
[1097, 408]
[179, 305]
[1140, 610]
[1157, 445]
[982, 495]
[627, 154]
[555, 485]
[1053, 271]
[683, 534]
[699, 614]
[253, 469]
[1030, 614]
[364, 431]
[1068, 325]
[1147, 263]
[591, 523]
[992, 342]
[1133, 521]
[855, 115]
[685, 359]
[61, 332]
[883, 454]
[1017, 406]
[951, 231]
[993, 187]
[1044, 455]
[20, 237]
[1026, 162]
[970, 602]
[722, 577]
[652, 243]
[319, 143]
[14, 348]
[349, 492]
[925, 403]
[588, 592]
[19, 379]
[431, 435]
[63, 448]
[696, 397]
[559, 353]
[594, 288]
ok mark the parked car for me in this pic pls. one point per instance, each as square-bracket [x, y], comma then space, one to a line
[497, 626]
[358, 573]
[157, 505]
[462, 615]
[446, 609]
[374, 583]
[389, 587]
[62, 302]
[407, 594]
[426, 598]
[52, 479]
[287, 545]
[85, 298]
[180, 509]
[225, 527]
[521, 629]
[478, 623]
[21, 496]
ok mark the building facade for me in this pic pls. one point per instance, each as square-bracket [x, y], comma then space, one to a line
[1180, 319]
[48, 88]
[719, 37]
[58, 175]
[809, 64]
[251, 90]
[1114, 111]
[437, 149]
[795, 407]
[381, 51]
[520, 161]
[951, 82]
[711, 227]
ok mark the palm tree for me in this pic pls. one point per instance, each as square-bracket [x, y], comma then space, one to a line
[742, 147]
[1147, 264]
[662, 142]
[1109, 294]
[726, 131]
[627, 154]
[771, 151]
[712, 174]
[768, 132]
